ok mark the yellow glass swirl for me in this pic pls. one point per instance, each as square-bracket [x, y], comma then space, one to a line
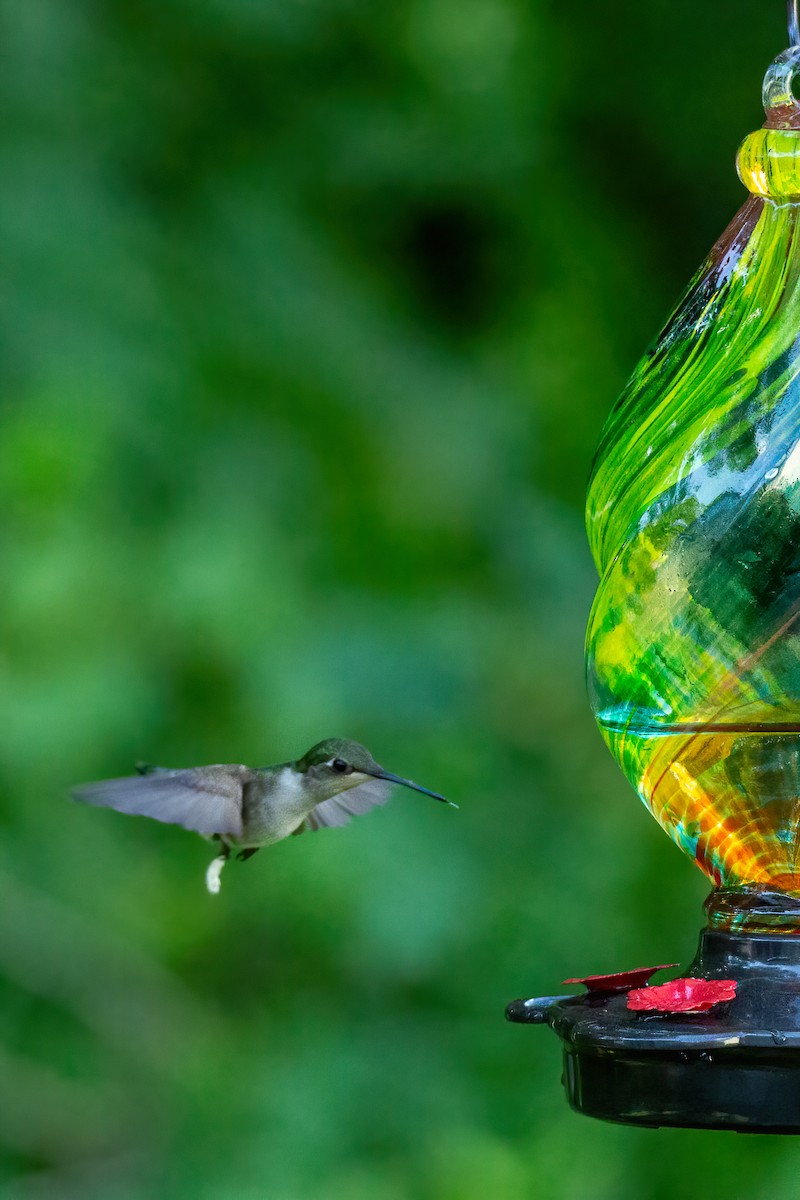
[693, 513]
[768, 163]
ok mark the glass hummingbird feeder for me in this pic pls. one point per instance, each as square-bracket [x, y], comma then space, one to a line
[693, 661]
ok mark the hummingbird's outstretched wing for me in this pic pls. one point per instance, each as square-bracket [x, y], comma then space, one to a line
[207, 800]
[340, 809]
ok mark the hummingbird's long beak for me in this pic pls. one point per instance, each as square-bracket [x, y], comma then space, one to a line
[390, 778]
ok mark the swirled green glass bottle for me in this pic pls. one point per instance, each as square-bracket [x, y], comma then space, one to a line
[693, 514]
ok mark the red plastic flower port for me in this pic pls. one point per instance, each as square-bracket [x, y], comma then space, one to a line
[621, 981]
[682, 996]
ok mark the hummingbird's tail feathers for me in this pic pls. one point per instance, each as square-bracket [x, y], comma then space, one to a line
[341, 808]
[213, 873]
[207, 800]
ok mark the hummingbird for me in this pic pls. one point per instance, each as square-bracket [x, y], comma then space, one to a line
[244, 808]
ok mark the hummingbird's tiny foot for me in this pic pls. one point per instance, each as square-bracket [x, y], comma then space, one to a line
[243, 855]
[213, 881]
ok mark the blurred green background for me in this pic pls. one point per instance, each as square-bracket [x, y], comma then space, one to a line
[313, 311]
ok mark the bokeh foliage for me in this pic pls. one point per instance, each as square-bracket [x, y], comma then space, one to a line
[313, 310]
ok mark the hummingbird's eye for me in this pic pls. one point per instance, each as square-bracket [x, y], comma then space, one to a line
[341, 767]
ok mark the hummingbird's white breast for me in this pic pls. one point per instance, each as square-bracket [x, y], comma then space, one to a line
[275, 810]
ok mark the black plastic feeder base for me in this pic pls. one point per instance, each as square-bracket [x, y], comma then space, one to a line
[735, 1067]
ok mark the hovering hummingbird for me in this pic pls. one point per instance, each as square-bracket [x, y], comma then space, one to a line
[245, 808]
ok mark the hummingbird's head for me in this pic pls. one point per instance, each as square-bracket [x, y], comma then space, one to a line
[338, 764]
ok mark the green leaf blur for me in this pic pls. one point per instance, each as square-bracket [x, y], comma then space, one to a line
[312, 314]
